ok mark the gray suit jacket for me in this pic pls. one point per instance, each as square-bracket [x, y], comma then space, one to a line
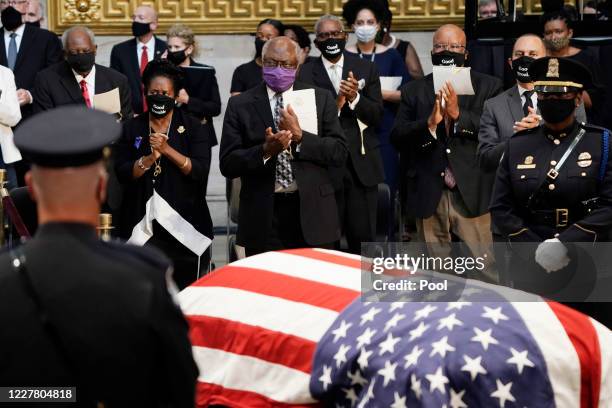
[498, 117]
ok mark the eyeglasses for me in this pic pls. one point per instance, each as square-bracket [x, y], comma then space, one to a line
[451, 47]
[269, 63]
[330, 34]
[13, 2]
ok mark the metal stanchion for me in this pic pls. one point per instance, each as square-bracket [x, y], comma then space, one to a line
[105, 226]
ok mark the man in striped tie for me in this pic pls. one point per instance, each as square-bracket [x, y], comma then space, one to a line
[287, 199]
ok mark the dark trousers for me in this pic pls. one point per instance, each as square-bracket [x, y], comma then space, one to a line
[286, 231]
[184, 261]
[357, 211]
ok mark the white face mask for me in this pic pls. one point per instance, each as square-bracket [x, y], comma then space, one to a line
[366, 33]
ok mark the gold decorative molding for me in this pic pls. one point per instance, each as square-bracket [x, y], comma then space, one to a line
[113, 17]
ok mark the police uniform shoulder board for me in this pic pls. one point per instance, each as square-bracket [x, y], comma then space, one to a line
[605, 147]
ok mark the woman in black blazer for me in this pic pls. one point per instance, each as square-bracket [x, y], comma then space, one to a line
[200, 93]
[162, 160]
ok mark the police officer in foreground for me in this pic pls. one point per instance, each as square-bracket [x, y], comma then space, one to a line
[554, 188]
[76, 311]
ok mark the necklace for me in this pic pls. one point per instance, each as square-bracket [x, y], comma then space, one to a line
[361, 54]
[158, 168]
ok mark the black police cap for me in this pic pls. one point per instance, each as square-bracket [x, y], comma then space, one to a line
[559, 75]
[68, 136]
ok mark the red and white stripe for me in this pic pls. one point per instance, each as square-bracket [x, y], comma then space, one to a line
[255, 324]
[577, 351]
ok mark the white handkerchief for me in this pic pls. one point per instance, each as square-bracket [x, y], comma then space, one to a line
[459, 78]
[304, 105]
[108, 102]
[390, 83]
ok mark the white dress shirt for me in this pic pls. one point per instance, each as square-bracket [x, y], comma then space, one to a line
[339, 67]
[18, 38]
[534, 97]
[10, 115]
[90, 80]
[150, 49]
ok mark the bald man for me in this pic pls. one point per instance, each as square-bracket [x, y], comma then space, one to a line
[515, 109]
[85, 313]
[132, 56]
[437, 136]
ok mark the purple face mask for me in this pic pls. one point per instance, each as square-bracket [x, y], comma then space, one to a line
[279, 79]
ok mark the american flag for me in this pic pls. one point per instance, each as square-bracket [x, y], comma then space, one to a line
[461, 354]
[255, 324]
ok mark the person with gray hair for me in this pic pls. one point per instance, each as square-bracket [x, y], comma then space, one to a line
[287, 198]
[35, 14]
[355, 84]
[78, 80]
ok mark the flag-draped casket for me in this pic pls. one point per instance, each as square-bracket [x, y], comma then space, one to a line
[289, 328]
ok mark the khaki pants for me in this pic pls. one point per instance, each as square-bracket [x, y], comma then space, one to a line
[474, 232]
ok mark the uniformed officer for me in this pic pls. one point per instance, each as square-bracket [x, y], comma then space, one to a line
[554, 186]
[76, 311]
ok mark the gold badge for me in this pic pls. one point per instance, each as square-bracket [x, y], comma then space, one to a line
[181, 129]
[553, 68]
[528, 164]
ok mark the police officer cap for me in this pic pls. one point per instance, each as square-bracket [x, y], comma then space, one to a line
[559, 75]
[68, 136]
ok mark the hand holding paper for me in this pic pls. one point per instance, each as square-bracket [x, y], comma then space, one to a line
[303, 104]
[109, 102]
[459, 78]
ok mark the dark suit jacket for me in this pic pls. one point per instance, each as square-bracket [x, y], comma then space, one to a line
[124, 58]
[98, 297]
[56, 86]
[39, 49]
[496, 125]
[241, 155]
[428, 157]
[369, 110]
[200, 83]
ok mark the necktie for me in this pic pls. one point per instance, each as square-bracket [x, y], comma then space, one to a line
[85, 93]
[284, 174]
[528, 102]
[335, 77]
[449, 177]
[144, 60]
[12, 52]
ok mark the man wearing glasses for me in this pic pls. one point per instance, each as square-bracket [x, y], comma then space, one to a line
[287, 198]
[355, 84]
[437, 134]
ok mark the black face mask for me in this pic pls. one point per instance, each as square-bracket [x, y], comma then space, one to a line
[11, 18]
[160, 105]
[556, 110]
[177, 57]
[259, 43]
[448, 58]
[81, 63]
[140, 29]
[520, 66]
[33, 23]
[331, 48]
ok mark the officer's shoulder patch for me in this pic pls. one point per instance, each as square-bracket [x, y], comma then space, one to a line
[594, 128]
[526, 132]
[148, 255]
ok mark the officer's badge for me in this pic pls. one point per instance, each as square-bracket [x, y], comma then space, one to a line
[553, 68]
[181, 129]
[527, 164]
[584, 159]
